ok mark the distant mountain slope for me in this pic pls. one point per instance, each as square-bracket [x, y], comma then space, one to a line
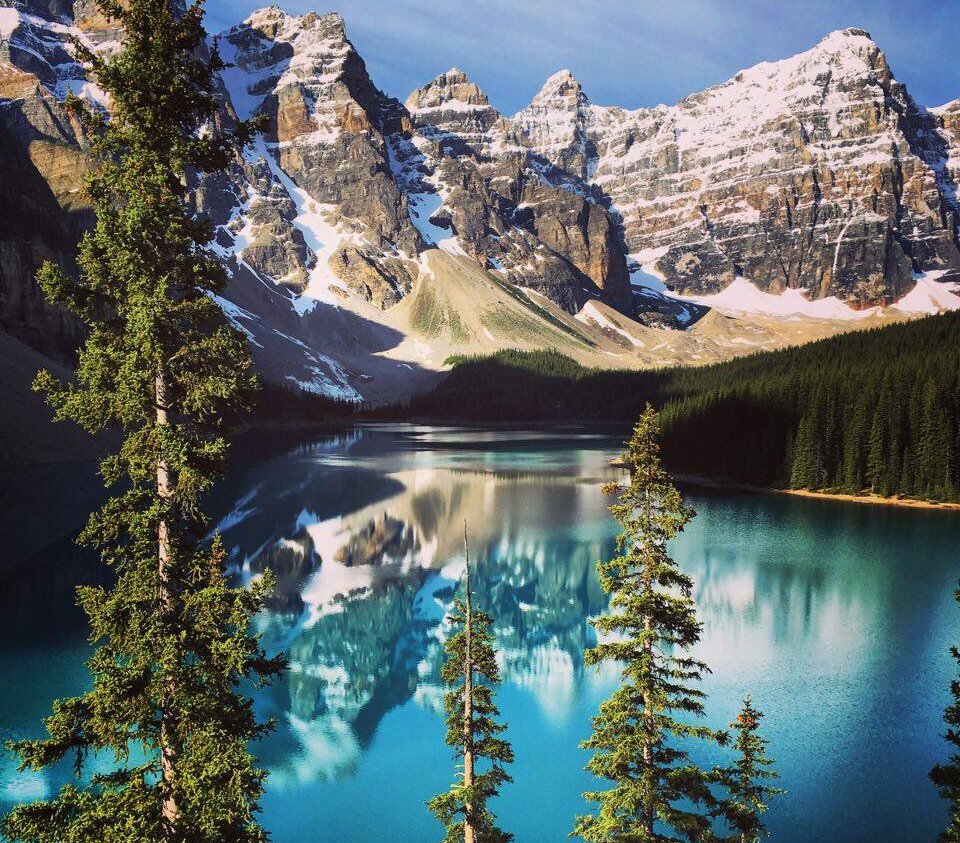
[368, 239]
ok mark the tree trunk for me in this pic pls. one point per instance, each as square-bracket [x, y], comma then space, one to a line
[647, 749]
[649, 810]
[169, 750]
[469, 833]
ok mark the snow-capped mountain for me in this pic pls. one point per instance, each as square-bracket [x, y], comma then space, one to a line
[818, 172]
[368, 239]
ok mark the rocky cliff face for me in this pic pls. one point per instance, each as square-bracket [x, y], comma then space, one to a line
[42, 167]
[508, 206]
[818, 172]
[349, 186]
[323, 172]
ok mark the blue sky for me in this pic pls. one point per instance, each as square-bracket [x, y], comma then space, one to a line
[625, 52]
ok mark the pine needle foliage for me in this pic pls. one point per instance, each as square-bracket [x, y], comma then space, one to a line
[947, 776]
[474, 730]
[160, 742]
[748, 781]
[643, 731]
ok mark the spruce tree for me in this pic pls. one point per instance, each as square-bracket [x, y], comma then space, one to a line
[473, 728]
[642, 734]
[947, 776]
[854, 447]
[748, 780]
[165, 715]
[803, 469]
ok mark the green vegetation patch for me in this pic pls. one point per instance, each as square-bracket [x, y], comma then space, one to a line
[426, 314]
[518, 294]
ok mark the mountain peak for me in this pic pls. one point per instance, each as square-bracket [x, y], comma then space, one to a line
[849, 54]
[562, 76]
[563, 85]
[849, 32]
[453, 86]
[852, 39]
[276, 23]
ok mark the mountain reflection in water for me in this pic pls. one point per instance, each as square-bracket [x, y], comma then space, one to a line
[365, 537]
[835, 617]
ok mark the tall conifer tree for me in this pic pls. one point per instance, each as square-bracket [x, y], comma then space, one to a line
[162, 365]
[748, 780]
[642, 735]
[947, 776]
[473, 728]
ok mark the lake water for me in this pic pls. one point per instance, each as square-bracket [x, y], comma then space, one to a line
[835, 617]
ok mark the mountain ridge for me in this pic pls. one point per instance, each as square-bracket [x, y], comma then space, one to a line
[353, 227]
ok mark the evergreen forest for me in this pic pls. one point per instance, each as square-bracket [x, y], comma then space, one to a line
[868, 412]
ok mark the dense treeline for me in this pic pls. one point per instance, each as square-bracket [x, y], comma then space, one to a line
[872, 411]
[541, 386]
[278, 403]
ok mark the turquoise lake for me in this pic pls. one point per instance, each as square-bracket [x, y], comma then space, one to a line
[835, 617]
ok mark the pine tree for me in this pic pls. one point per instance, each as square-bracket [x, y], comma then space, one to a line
[803, 471]
[854, 448]
[470, 671]
[161, 365]
[877, 451]
[933, 444]
[947, 776]
[641, 742]
[748, 780]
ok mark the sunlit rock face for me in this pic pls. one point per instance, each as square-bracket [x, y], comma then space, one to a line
[817, 175]
[328, 160]
[326, 117]
[817, 172]
[508, 206]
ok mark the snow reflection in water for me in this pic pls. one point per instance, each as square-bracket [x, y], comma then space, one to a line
[835, 617]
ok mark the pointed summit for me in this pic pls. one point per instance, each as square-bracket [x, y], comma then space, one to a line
[848, 42]
[850, 33]
[452, 88]
[555, 123]
[562, 85]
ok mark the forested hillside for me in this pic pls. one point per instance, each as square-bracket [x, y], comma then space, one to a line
[873, 411]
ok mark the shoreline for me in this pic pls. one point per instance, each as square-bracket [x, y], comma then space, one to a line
[874, 500]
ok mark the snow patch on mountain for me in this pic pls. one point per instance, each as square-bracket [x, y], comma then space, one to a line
[930, 295]
[237, 316]
[646, 277]
[329, 377]
[743, 297]
[239, 82]
[9, 21]
[590, 313]
[425, 192]
[323, 238]
[85, 90]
